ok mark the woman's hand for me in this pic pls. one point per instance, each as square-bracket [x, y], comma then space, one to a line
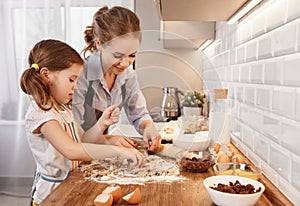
[119, 140]
[151, 137]
[111, 115]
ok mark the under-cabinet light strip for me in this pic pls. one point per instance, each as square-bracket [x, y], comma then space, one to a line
[243, 11]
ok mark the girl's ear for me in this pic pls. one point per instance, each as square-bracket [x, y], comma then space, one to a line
[44, 72]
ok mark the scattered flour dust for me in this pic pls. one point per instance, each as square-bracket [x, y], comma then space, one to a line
[114, 171]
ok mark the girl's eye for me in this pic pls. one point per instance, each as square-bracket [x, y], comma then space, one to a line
[132, 55]
[72, 80]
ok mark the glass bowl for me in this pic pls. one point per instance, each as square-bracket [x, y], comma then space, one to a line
[243, 170]
[194, 161]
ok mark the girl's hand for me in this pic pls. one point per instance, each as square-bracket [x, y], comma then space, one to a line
[133, 156]
[119, 140]
[111, 115]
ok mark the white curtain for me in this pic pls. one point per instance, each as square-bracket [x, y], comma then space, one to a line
[23, 23]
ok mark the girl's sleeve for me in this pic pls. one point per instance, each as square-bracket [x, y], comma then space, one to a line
[36, 117]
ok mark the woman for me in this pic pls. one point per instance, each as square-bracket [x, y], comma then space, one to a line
[113, 41]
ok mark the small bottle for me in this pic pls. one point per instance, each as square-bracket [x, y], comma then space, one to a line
[219, 118]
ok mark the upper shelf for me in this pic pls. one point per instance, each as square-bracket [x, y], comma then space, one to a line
[198, 10]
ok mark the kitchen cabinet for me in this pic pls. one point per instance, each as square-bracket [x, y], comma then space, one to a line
[198, 10]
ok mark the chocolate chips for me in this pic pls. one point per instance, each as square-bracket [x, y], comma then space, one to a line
[236, 188]
[195, 164]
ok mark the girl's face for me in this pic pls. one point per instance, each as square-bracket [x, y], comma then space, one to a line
[119, 54]
[63, 83]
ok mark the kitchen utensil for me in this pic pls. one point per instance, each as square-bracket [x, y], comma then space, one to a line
[171, 107]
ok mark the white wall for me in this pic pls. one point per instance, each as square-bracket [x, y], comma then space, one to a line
[258, 59]
[158, 67]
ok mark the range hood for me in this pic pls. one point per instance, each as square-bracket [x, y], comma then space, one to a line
[188, 24]
[198, 10]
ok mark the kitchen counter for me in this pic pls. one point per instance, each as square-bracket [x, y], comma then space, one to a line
[78, 191]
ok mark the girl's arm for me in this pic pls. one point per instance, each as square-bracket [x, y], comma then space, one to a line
[61, 141]
[95, 134]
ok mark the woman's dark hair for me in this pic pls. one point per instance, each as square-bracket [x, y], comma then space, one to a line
[110, 23]
[54, 55]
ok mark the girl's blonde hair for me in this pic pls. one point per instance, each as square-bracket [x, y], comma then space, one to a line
[54, 55]
[110, 23]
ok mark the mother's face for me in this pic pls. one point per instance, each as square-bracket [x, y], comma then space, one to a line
[118, 54]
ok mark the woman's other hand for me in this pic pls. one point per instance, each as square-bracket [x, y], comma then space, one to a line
[111, 115]
[133, 156]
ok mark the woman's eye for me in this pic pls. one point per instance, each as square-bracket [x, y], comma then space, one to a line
[117, 56]
[132, 55]
[72, 80]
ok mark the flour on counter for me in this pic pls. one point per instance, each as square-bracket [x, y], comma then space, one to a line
[114, 171]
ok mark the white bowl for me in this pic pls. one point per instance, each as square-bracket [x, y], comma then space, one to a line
[192, 142]
[228, 199]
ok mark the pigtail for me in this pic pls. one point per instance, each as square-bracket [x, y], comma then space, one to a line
[32, 84]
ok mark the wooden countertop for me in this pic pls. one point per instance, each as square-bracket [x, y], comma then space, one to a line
[78, 191]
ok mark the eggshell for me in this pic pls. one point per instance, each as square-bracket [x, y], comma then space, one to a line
[239, 158]
[115, 191]
[103, 200]
[222, 157]
[134, 197]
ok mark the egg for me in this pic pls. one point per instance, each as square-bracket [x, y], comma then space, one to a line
[115, 191]
[222, 157]
[134, 197]
[103, 200]
[239, 158]
[217, 148]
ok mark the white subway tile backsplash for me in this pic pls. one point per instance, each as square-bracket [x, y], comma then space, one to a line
[263, 98]
[298, 39]
[273, 71]
[291, 72]
[259, 61]
[271, 126]
[258, 24]
[280, 161]
[256, 119]
[265, 47]
[291, 192]
[249, 95]
[290, 135]
[285, 39]
[247, 136]
[240, 54]
[297, 115]
[244, 73]
[293, 10]
[232, 56]
[276, 14]
[235, 73]
[261, 146]
[296, 172]
[283, 101]
[251, 51]
[256, 73]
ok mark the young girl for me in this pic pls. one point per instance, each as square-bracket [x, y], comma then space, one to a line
[112, 41]
[56, 141]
